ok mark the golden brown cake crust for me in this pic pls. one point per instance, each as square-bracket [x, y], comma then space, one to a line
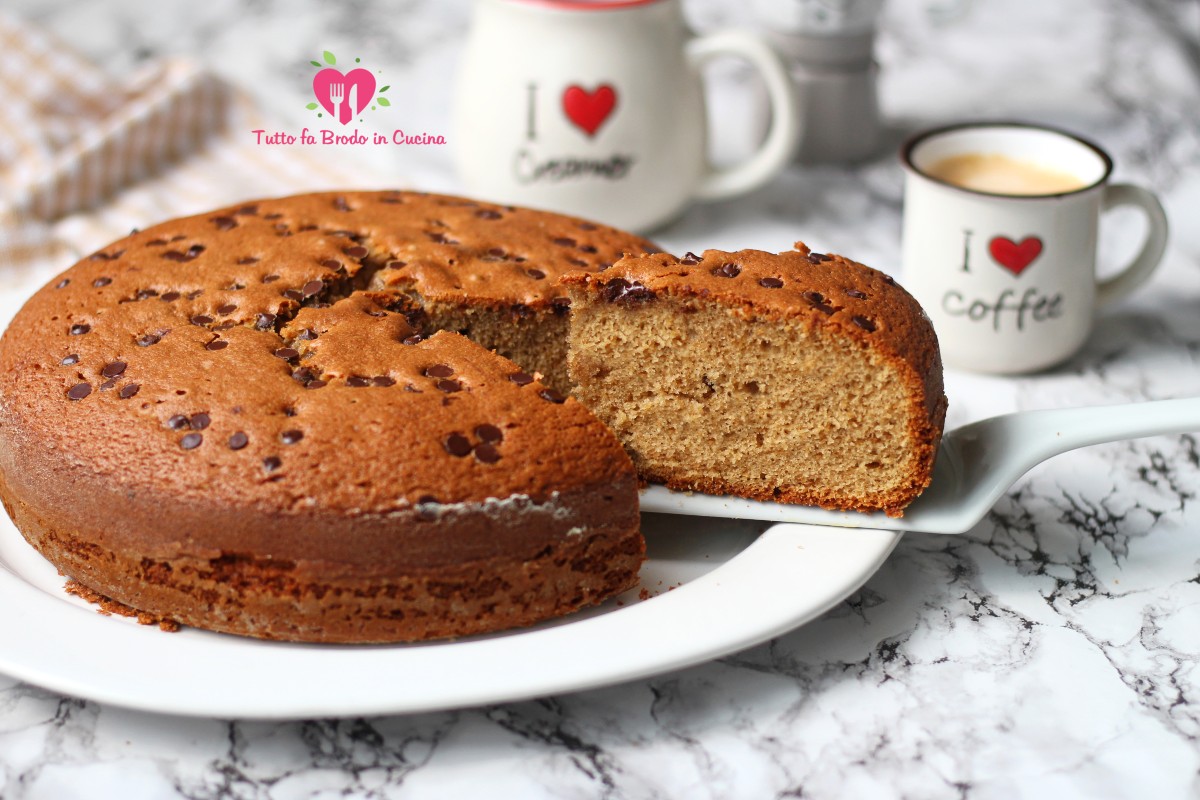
[815, 291]
[225, 389]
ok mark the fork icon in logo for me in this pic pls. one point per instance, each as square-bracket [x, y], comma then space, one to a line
[337, 93]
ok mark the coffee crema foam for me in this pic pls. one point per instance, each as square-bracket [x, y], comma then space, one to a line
[997, 173]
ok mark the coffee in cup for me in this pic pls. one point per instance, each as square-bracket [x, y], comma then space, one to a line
[997, 173]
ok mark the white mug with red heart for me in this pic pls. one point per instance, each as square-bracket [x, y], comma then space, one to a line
[1000, 233]
[596, 108]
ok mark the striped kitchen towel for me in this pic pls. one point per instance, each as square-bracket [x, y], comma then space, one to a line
[84, 157]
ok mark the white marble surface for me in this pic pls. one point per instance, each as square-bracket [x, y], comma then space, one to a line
[1054, 651]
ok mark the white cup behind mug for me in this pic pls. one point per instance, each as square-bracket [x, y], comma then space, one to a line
[597, 109]
[1000, 230]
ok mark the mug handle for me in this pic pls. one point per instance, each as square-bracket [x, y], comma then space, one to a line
[781, 140]
[1134, 275]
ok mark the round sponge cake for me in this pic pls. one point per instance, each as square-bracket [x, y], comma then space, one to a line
[240, 421]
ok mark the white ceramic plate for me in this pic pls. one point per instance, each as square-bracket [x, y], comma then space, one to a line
[730, 587]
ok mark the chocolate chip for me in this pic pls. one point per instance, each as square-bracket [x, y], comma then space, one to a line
[457, 445]
[71, 359]
[169, 297]
[228, 308]
[619, 290]
[246, 211]
[62, 284]
[817, 258]
[487, 213]
[864, 323]
[383, 380]
[439, 237]
[521, 378]
[578, 262]
[79, 391]
[824, 308]
[414, 339]
[448, 386]
[357, 381]
[105, 256]
[552, 396]
[314, 384]
[498, 252]
[586, 226]
[396, 264]
[293, 294]
[856, 293]
[148, 339]
[114, 369]
[264, 321]
[191, 441]
[889, 280]
[536, 274]
[727, 270]
[195, 294]
[224, 223]
[174, 255]
[564, 241]
[587, 248]
[238, 440]
[217, 344]
[770, 283]
[270, 278]
[156, 243]
[145, 294]
[341, 205]
[80, 328]
[489, 433]
[108, 384]
[177, 422]
[291, 436]
[814, 297]
[129, 390]
[201, 320]
[313, 287]
[439, 371]
[486, 453]
[200, 421]
[101, 282]
[358, 251]
[248, 260]
[271, 463]
[308, 334]
[561, 306]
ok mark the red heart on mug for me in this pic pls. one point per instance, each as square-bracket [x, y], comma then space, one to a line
[1015, 256]
[588, 110]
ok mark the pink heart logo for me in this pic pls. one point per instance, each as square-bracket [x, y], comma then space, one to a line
[344, 96]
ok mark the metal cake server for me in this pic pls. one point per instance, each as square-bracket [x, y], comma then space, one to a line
[976, 464]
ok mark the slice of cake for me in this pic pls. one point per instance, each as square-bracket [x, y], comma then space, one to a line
[799, 377]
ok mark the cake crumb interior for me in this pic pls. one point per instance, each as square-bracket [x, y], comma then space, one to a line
[700, 395]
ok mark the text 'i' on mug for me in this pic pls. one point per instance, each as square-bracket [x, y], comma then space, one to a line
[596, 108]
[1000, 231]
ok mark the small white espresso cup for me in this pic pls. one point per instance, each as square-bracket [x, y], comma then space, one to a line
[596, 108]
[1008, 274]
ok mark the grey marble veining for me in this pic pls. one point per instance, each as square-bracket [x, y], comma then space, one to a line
[1053, 651]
